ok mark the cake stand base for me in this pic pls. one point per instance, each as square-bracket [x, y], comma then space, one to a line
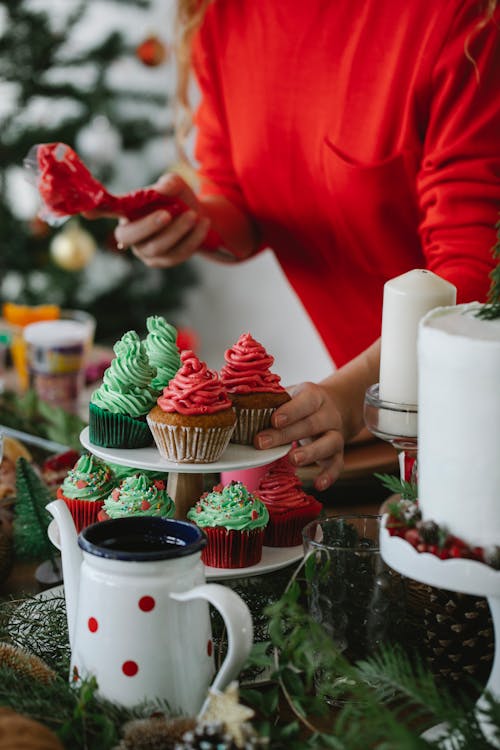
[466, 576]
[185, 490]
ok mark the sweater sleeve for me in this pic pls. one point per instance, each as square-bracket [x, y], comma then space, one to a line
[213, 144]
[459, 180]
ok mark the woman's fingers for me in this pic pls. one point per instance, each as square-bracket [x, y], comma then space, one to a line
[311, 418]
[309, 413]
[174, 244]
[128, 233]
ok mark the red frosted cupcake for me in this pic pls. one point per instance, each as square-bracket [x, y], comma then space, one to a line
[233, 520]
[253, 389]
[84, 489]
[194, 418]
[290, 508]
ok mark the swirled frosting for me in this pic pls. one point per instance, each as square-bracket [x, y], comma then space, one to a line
[247, 368]
[232, 507]
[90, 479]
[138, 495]
[126, 382]
[281, 489]
[162, 350]
[195, 389]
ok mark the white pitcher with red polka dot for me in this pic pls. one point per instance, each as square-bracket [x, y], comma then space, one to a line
[138, 614]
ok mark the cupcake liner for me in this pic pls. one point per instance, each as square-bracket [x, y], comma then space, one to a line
[117, 430]
[102, 515]
[285, 529]
[83, 512]
[249, 423]
[190, 444]
[232, 549]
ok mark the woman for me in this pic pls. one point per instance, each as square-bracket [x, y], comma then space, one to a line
[358, 140]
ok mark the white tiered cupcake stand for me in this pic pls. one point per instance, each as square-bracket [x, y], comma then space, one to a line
[185, 485]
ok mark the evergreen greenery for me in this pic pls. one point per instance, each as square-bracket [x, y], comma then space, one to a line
[31, 519]
[52, 87]
[492, 309]
[407, 490]
[301, 658]
[30, 414]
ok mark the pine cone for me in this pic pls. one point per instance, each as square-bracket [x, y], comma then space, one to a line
[456, 635]
[207, 737]
[212, 736]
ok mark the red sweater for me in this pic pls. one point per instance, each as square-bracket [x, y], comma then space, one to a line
[361, 139]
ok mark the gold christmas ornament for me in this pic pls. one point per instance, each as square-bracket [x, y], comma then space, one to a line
[21, 733]
[22, 663]
[73, 247]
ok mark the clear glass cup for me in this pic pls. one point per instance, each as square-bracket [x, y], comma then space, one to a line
[351, 592]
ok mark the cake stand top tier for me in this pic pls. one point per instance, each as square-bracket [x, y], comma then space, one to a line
[234, 457]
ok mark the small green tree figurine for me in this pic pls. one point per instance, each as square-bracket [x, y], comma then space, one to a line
[31, 519]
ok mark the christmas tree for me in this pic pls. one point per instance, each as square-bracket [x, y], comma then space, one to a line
[92, 74]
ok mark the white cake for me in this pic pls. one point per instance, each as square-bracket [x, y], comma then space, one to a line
[459, 423]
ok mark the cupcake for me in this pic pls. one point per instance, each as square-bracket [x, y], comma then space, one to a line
[162, 350]
[290, 508]
[253, 389]
[233, 520]
[118, 408]
[84, 489]
[138, 495]
[122, 472]
[193, 419]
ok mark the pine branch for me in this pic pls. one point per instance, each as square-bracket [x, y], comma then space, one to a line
[407, 490]
[491, 310]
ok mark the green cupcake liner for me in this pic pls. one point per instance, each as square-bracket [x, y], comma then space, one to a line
[117, 430]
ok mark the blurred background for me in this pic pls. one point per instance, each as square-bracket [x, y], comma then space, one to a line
[100, 76]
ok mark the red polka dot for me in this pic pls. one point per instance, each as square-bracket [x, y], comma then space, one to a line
[93, 624]
[210, 647]
[130, 668]
[146, 603]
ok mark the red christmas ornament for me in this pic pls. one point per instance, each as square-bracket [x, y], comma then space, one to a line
[152, 51]
[39, 228]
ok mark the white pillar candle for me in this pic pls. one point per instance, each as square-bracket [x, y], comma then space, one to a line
[407, 298]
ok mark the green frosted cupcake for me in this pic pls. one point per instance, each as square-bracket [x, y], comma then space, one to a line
[163, 352]
[234, 521]
[118, 408]
[122, 472]
[84, 489]
[138, 495]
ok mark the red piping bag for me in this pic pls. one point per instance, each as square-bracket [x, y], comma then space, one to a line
[67, 187]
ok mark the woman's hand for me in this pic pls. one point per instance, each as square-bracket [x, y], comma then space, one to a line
[163, 241]
[312, 418]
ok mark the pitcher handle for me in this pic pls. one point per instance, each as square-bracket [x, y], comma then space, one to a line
[238, 622]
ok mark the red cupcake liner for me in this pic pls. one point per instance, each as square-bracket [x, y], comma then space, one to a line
[285, 529]
[232, 549]
[83, 512]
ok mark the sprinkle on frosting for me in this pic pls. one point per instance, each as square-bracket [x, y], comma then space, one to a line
[126, 383]
[281, 489]
[195, 389]
[247, 368]
[90, 479]
[232, 507]
[139, 495]
[162, 350]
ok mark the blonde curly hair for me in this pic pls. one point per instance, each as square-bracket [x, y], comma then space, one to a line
[189, 17]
